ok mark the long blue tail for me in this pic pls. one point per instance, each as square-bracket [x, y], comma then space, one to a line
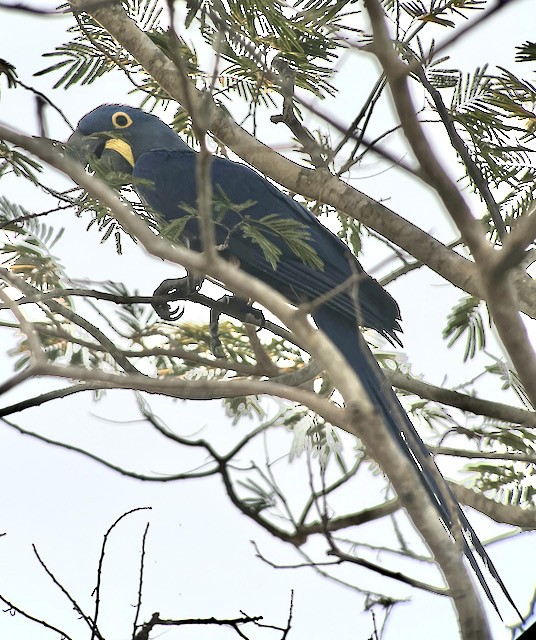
[344, 333]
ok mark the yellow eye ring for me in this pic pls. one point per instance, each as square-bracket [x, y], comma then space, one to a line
[121, 120]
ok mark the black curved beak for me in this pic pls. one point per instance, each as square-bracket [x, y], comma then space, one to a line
[82, 148]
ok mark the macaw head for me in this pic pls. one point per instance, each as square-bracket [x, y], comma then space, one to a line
[120, 134]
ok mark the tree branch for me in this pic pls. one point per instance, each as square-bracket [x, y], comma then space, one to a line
[462, 401]
[498, 290]
[510, 514]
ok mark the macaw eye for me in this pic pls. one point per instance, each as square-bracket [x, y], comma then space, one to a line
[121, 120]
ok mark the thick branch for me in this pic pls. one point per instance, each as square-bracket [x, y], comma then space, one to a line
[462, 401]
[471, 617]
[508, 513]
[498, 290]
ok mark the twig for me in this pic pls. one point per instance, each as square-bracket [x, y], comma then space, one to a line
[470, 26]
[43, 623]
[395, 575]
[41, 96]
[47, 397]
[407, 267]
[331, 488]
[517, 456]
[234, 623]
[77, 608]
[289, 621]
[462, 401]
[459, 145]
[19, 6]
[94, 630]
[140, 585]
[365, 111]
[124, 472]
[203, 162]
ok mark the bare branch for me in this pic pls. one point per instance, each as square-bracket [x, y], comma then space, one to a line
[43, 623]
[475, 405]
[394, 575]
[124, 472]
[76, 606]
[47, 397]
[94, 631]
[505, 513]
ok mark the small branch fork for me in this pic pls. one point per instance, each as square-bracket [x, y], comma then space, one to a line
[288, 116]
[234, 623]
[140, 631]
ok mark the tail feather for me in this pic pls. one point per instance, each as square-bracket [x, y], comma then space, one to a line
[346, 336]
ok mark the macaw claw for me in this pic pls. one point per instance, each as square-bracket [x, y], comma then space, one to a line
[238, 308]
[170, 291]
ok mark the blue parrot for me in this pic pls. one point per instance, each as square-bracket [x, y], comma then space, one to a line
[282, 243]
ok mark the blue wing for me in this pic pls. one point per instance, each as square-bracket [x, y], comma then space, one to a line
[172, 174]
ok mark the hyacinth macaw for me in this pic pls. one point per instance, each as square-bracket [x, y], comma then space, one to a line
[163, 167]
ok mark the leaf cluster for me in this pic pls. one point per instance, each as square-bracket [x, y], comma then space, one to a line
[439, 12]
[93, 52]
[466, 318]
[491, 109]
[248, 34]
[269, 232]
[294, 234]
[27, 245]
[21, 165]
[510, 483]
[102, 218]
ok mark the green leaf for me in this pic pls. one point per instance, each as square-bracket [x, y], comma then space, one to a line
[526, 52]
[465, 318]
[28, 253]
[294, 233]
[8, 70]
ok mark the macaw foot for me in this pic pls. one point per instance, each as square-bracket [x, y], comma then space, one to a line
[238, 308]
[172, 291]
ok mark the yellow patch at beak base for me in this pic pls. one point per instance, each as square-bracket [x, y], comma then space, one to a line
[122, 148]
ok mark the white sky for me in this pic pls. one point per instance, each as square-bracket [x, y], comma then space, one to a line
[199, 559]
